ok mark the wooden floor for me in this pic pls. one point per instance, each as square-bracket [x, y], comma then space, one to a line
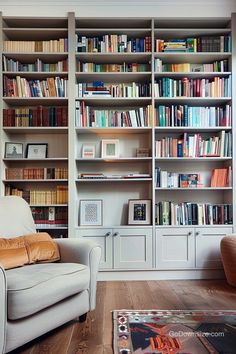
[95, 335]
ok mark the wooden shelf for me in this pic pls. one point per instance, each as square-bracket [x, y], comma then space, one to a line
[35, 74]
[113, 130]
[194, 159]
[190, 74]
[193, 189]
[33, 101]
[34, 180]
[121, 159]
[36, 130]
[49, 159]
[102, 180]
[190, 129]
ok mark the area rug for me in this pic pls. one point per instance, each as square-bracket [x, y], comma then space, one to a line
[174, 332]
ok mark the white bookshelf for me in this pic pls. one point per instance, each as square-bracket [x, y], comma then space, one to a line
[115, 234]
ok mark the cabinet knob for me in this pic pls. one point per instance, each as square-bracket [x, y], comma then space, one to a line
[189, 233]
[197, 233]
[116, 234]
[108, 234]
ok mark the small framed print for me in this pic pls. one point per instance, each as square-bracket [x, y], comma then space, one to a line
[139, 212]
[110, 148]
[91, 212]
[37, 151]
[14, 150]
[88, 151]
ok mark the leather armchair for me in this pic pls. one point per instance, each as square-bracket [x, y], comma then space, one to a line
[35, 299]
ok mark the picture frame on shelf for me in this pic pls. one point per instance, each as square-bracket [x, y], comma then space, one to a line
[14, 150]
[139, 212]
[110, 148]
[142, 152]
[91, 212]
[88, 151]
[37, 151]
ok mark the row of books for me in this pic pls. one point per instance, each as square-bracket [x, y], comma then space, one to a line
[37, 66]
[54, 45]
[220, 177]
[186, 87]
[186, 213]
[195, 146]
[113, 43]
[116, 68]
[216, 66]
[196, 44]
[41, 116]
[86, 175]
[188, 116]
[36, 173]
[114, 90]
[50, 216]
[21, 87]
[87, 116]
[34, 197]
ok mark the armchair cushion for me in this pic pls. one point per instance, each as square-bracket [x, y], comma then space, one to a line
[32, 248]
[34, 287]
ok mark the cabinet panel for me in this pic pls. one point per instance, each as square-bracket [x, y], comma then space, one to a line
[104, 238]
[175, 248]
[132, 248]
[208, 246]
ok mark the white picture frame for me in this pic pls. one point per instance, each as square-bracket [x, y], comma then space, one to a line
[88, 151]
[110, 149]
[91, 212]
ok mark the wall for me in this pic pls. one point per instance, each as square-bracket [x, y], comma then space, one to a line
[119, 8]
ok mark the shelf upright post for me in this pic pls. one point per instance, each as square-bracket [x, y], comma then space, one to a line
[71, 125]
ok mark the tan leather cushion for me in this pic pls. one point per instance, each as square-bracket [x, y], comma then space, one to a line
[28, 249]
[13, 252]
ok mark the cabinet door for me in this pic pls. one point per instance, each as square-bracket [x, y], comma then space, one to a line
[175, 248]
[132, 248]
[208, 246]
[104, 238]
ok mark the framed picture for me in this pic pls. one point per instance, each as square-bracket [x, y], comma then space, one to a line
[37, 151]
[14, 150]
[110, 148]
[91, 212]
[88, 151]
[139, 211]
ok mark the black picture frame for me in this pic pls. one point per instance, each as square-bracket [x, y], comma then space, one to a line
[37, 150]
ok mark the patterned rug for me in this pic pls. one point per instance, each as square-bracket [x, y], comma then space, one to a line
[174, 332]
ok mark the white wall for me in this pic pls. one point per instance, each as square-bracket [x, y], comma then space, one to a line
[119, 8]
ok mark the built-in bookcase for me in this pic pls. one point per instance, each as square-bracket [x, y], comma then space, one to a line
[35, 111]
[161, 93]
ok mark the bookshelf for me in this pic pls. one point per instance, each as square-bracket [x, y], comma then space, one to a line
[149, 83]
[34, 104]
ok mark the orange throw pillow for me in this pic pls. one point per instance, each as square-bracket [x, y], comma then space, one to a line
[41, 248]
[13, 252]
[28, 249]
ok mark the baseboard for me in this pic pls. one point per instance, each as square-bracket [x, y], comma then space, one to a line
[161, 275]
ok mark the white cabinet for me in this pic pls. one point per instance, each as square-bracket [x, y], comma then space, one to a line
[122, 248]
[208, 246]
[174, 248]
[191, 247]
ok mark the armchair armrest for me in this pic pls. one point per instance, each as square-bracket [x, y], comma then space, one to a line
[3, 309]
[84, 251]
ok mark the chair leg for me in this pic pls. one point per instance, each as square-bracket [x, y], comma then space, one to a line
[83, 317]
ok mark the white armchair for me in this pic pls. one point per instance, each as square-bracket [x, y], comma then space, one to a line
[36, 298]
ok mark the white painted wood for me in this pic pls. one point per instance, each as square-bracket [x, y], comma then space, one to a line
[132, 248]
[208, 246]
[103, 237]
[175, 248]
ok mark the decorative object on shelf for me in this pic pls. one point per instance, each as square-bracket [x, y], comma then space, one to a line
[142, 152]
[139, 211]
[91, 212]
[37, 151]
[110, 148]
[88, 151]
[13, 150]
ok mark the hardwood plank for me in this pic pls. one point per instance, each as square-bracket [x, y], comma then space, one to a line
[95, 335]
